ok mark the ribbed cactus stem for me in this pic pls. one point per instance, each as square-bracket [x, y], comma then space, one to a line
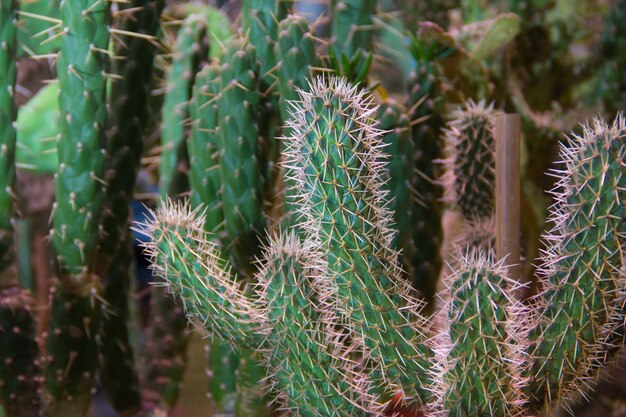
[480, 352]
[83, 62]
[204, 155]
[184, 256]
[394, 121]
[469, 177]
[580, 307]
[335, 157]
[190, 50]
[240, 154]
[324, 382]
[8, 115]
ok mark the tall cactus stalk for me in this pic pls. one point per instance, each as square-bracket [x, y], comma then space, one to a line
[82, 63]
[580, 307]
[352, 26]
[334, 156]
[127, 119]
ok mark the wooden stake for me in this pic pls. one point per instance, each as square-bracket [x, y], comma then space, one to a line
[508, 192]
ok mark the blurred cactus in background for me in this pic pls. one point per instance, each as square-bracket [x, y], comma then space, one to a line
[327, 187]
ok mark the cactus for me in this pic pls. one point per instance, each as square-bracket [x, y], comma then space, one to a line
[470, 160]
[272, 322]
[8, 114]
[425, 105]
[393, 120]
[333, 156]
[82, 64]
[480, 352]
[579, 308]
[352, 26]
[611, 89]
[126, 123]
[190, 50]
[240, 156]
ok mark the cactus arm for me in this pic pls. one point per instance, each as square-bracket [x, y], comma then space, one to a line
[334, 157]
[74, 315]
[579, 311]
[240, 155]
[397, 137]
[8, 115]
[295, 53]
[318, 384]
[189, 50]
[204, 158]
[425, 103]
[480, 352]
[183, 254]
[470, 160]
[126, 123]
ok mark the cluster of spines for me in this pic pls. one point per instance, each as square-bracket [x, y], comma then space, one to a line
[579, 309]
[334, 156]
[480, 351]
[82, 62]
[184, 255]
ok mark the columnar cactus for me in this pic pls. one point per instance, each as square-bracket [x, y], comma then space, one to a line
[241, 158]
[82, 63]
[352, 26]
[580, 306]
[127, 119]
[8, 115]
[334, 157]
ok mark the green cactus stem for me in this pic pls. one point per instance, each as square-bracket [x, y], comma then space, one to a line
[222, 362]
[480, 350]
[127, 120]
[352, 26]
[295, 53]
[82, 63]
[8, 115]
[470, 169]
[394, 122]
[334, 156]
[190, 50]
[324, 383]
[20, 369]
[204, 156]
[240, 155]
[425, 107]
[579, 309]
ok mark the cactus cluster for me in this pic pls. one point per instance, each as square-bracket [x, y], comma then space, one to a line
[312, 169]
[489, 353]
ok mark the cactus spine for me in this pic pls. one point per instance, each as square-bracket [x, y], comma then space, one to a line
[82, 64]
[334, 156]
[579, 308]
